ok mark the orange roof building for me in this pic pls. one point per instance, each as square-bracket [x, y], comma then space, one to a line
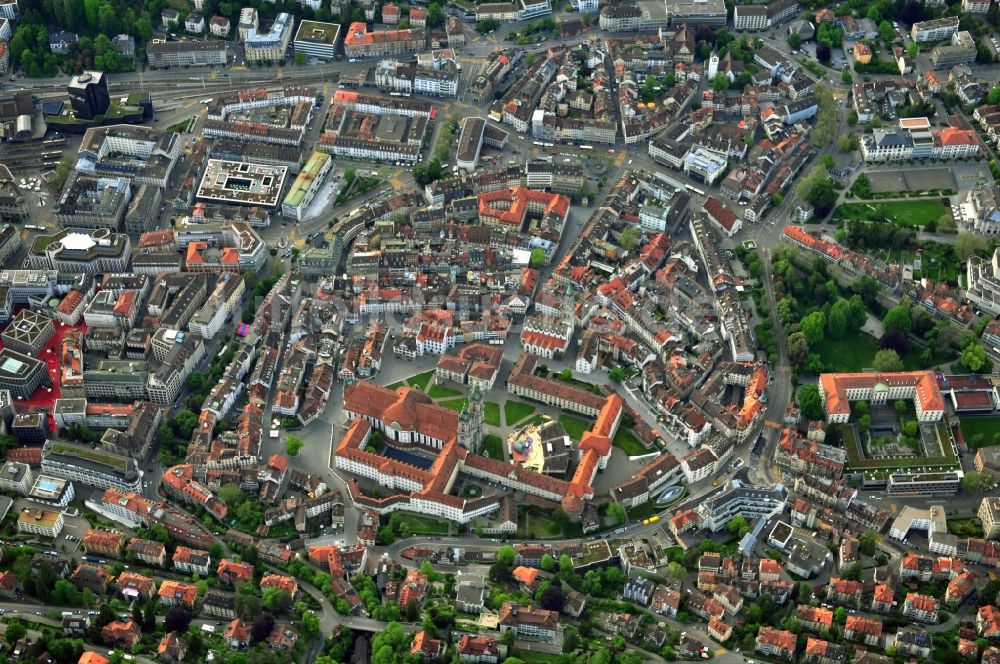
[177, 593]
[233, 572]
[91, 657]
[286, 583]
[838, 390]
[526, 576]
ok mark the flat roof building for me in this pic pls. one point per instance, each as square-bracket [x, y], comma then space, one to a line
[188, 53]
[317, 39]
[97, 468]
[260, 46]
[696, 12]
[50, 490]
[98, 251]
[305, 187]
[28, 332]
[21, 374]
[40, 522]
[470, 143]
[242, 183]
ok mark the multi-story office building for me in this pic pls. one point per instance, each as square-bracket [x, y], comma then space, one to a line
[9, 10]
[97, 252]
[935, 30]
[28, 332]
[116, 379]
[163, 386]
[164, 54]
[924, 484]
[52, 491]
[213, 314]
[750, 17]
[642, 15]
[959, 50]
[45, 523]
[261, 46]
[317, 40]
[983, 279]
[249, 20]
[306, 185]
[16, 477]
[140, 153]
[88, 202]
[100, 469]
[562, 178]
[21, 374]
[739, 499]
[696, 12]
[88, 93]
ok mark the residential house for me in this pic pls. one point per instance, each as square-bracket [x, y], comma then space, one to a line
[864, 630]
[120, 634]
[237, 634]
[922, 608]
[177, 593]
[778, 643]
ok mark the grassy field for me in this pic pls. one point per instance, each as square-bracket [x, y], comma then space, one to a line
[442, 392]
[421, 525]
[454, 404]
[987, 426]
[907, 213]
[535, 526]
[472, 491]
[420, 380]
[531, 657]
[493, 445]
[515, 411]
[970, 527]
[574, 427]
[629, 444]
[491, 413]
[858, 353]
[643, 511]
[847, 355]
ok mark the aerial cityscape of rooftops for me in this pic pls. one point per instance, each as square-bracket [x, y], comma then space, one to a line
[350, 331]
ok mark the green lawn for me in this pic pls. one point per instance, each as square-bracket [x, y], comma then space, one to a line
[535, 526]
[574, 427]
[442, 392]
[987, 426]
[491, 413]
[515, 411]
[395, 386]
[472, 491]
[970, 527]
[422, 525]
[420, 380]
[493, 446]
[454, 404]
[532, 657]
[643, 511]
[908, 213]
[629, 444]
[847, 355]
